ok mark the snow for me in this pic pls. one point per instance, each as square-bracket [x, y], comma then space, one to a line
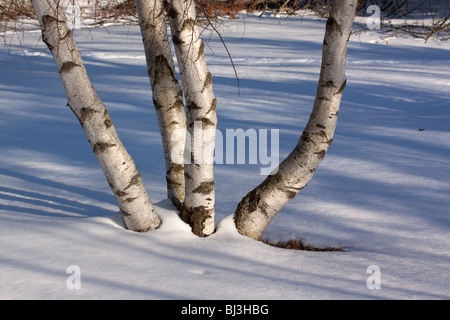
[381, 192]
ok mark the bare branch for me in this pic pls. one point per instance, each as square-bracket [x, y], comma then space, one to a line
[224, 45]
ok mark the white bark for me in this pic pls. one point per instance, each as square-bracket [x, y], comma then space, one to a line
[196, 81]
[260, 206]
[118, 167]
[167, 93]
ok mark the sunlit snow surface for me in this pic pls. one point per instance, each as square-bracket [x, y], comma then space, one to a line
[381, 192]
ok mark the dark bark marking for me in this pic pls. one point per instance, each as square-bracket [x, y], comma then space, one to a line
[68, 66]
[332, 25]
[305, 137]
[176, 168]
[163, 70]
[157, 105]
[342, 88]
[178, 105]
[172, 13]
[124, 213]
[48, 23]
[121, 193]
[321, 154]
[279, 182]
[208, 82]
[193, 106]
[86, 113]
[134, 181]
[48, 20]
[205, 187]
[108, 123]
[329, 84]
[201, 51]
[176, 40]
[47, 42]
[322, 134]
[329, 142]
[290, 194]
[129, 200]
[207, 122]
[101, 147]
[173, 182]
[196, 218]
[213, 106]
[250, 203]
[330, 22]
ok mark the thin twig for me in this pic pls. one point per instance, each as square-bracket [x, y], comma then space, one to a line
[224, 45]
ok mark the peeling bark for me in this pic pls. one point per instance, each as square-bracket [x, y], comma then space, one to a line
[259, 207]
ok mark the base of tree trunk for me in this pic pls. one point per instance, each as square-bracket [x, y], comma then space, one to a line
[199, 219]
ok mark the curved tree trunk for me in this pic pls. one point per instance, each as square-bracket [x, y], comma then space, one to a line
[259, 207]
[118, 166]
[199, 203]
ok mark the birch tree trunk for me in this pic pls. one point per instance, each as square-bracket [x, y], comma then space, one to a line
[199, 203]
[118, 166]
[167, 94]
[259, 207]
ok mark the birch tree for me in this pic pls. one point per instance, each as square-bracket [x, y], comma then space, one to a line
[190, 185]
[257, 209]
[187, 117]
[118, 166]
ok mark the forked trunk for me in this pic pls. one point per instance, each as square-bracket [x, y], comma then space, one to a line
[259, 207]
[118, 166]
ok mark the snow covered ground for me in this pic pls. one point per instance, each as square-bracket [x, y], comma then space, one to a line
[382, 191]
